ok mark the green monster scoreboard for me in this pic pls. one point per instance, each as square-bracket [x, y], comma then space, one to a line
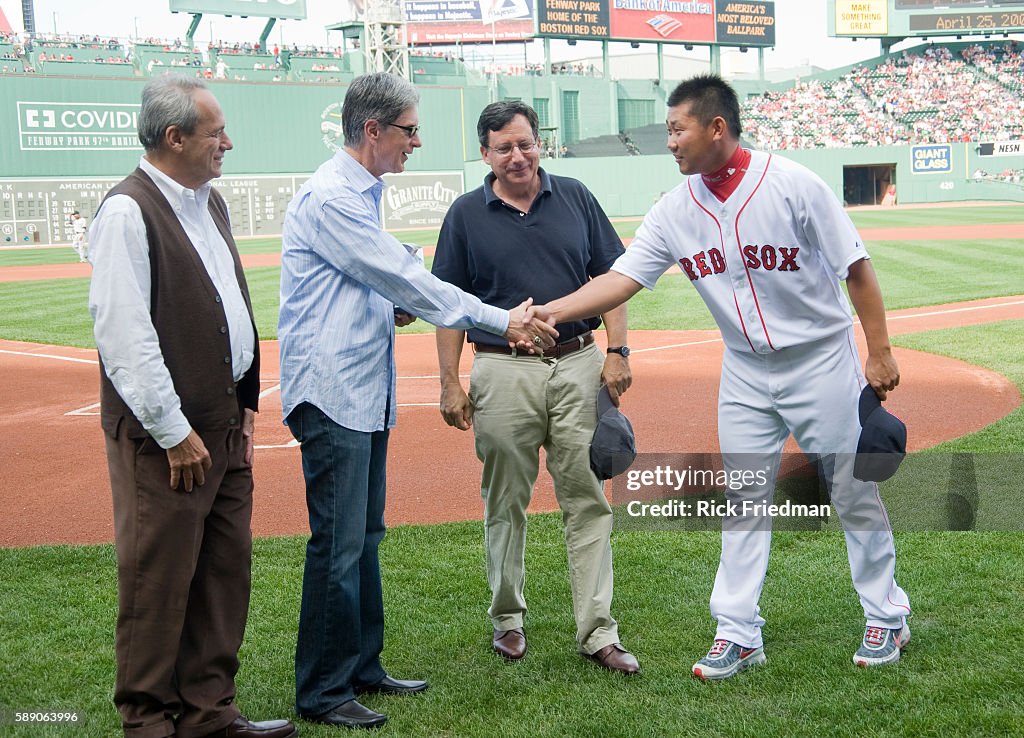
[907, 18]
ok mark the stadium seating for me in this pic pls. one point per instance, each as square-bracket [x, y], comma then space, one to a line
[599, 146]
[150, 56]
[649, 139]
[324, 68]
[247, 67]
[935, 96]
[84, 68]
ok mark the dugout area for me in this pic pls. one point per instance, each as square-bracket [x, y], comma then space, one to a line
[866, 184]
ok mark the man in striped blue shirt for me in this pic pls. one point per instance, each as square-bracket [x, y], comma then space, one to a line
[341, 278]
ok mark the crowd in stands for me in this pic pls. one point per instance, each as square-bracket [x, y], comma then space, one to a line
[66, 57]
[311, 50]
[929, 97]
[83, 41]
[1013, 176]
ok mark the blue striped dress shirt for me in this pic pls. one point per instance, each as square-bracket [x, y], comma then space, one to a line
[341, 276]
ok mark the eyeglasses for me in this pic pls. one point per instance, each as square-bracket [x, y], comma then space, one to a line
[525, 147]
[410, 131]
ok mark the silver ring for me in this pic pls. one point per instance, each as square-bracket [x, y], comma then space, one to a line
[537, 340]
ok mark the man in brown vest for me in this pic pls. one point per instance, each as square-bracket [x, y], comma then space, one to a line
[179, 380]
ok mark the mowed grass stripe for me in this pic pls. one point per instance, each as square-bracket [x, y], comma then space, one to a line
[912, 274]
[626, 228]
[916, 273]
[938, 215]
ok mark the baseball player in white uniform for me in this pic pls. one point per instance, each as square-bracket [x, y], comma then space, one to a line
[78, 228]
[765, 242]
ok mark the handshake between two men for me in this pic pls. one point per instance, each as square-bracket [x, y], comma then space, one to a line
[530, 327]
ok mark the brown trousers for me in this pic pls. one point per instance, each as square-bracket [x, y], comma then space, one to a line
[183, 574]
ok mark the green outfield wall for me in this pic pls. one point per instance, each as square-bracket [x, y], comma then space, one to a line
[64, 141]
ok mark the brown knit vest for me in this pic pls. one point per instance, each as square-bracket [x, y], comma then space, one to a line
[189, 319]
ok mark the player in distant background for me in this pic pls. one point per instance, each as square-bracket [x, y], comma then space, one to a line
[79, 226]
[765, 243]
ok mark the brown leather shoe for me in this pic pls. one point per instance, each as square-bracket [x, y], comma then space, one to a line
[616, 658]
[511, 644]
[242, 728]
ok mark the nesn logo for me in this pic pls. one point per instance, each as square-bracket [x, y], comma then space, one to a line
[664, 24]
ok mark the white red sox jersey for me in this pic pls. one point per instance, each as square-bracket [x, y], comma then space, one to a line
[767, 261]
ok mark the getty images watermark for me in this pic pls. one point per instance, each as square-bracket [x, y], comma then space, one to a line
[929, 492]
[690, 478]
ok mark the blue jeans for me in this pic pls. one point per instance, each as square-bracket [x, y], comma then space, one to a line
[341, 623]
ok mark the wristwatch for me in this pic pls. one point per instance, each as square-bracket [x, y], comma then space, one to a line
[622, 351]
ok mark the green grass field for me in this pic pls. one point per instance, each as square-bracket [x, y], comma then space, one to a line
[912, 273]
[959, 676]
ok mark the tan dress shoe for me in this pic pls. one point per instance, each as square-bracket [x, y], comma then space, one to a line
[511, 644]
[616, 658]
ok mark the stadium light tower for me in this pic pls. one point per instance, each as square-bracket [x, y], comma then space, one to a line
[386, 50]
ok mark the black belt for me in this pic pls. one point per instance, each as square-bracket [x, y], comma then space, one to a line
[555, 352]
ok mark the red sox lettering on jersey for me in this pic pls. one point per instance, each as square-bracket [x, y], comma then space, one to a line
[756, 259]
[712, 261]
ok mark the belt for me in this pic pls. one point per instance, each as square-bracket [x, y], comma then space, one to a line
[555, 352]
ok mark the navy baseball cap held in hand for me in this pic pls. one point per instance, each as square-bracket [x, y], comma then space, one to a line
[883, 440]
[613, 447]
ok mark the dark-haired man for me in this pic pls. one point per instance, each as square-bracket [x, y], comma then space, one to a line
[526, 232]
[765, 243]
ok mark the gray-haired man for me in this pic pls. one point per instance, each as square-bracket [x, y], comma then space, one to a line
[341, 280]
[179, 389]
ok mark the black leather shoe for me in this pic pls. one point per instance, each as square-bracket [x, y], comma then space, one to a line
[242, 728]
[387, 685]
[349, 715]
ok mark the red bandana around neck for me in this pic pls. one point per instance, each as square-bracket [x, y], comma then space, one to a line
[725, 181]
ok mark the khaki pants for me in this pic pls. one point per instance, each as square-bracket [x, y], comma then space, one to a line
[523, 403]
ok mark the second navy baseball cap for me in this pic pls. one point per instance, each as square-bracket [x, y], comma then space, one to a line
[883, 440]
[613, 447]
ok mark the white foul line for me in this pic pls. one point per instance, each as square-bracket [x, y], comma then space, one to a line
[291, 444]
[49, 356]
[675, 345]
[954, 310]
[84, 410]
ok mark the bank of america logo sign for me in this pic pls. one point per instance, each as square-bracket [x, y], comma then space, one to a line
[664, 24]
